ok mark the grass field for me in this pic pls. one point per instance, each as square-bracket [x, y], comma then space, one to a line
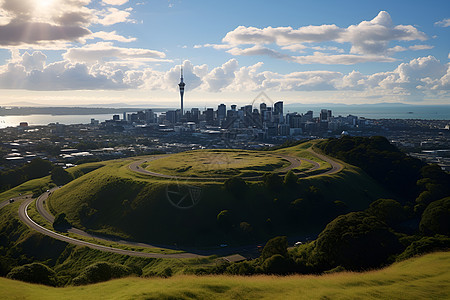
[204, 163]
[425, 277]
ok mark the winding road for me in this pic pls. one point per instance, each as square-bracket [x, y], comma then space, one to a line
[40, 201]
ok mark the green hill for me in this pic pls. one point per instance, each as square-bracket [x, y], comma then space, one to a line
[118, 201]
[425, 277]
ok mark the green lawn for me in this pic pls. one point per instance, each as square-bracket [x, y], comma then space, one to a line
[220, 163]
[424, 277]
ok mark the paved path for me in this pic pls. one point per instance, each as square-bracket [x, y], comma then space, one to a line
[23, 215]
[6, 202]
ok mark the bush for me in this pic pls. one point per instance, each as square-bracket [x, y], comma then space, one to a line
[425, 245]
[102, 271]
[60, 176]
[34, 273]
[387, 210]
[276, 264]
[60, 222]
[290, 179]
[355, 241]
[235, 186]
[277, 245]
[436, 218]
[273, 182]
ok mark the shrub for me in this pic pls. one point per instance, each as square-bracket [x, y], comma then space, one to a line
[277, 245]
[60, 222]
[60, 176]
[101, 271]
[355, 241]
[34, 273]
[387, 210]
[235, 186]
[436, 218]
[425, 245]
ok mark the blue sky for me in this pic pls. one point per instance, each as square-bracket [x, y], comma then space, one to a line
[64, 52]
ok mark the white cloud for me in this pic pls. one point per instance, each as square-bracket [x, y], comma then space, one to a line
[369, 41]
[105, 51]
[53, 24]
[443, 23]
[420, 47]
[112, 15]
[112, 36]
[115, 2]
[419, 78]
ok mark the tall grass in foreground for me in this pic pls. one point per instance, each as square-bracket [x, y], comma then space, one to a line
[426, 277]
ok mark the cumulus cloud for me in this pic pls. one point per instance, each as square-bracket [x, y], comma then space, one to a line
[420, 77]
[115, 2]
[443, 23]
[112, 36]
[112, 15]
[369, 41]
[45, 24]
[104, 51]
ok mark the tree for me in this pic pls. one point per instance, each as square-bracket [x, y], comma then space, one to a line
[34, 273]
[60, 222]
[355, 241]
[235, 186]
[273, 182]
[387, 210]
[277, 245]
[290, 179]
[60, 176]
[224, 219]
[436, 218]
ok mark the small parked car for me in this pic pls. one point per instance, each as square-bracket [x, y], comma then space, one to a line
[11, 200]
[298, 244]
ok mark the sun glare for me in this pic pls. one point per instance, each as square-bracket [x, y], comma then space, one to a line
[42, 5]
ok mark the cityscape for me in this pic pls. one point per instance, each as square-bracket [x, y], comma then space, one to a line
[224, 149]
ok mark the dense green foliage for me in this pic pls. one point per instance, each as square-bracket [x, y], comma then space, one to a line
[35, 169]
[60, 176]
[380, 159]
[60, 223]
[34, 273]
[436, 218]
[103, 271]
[355, 241]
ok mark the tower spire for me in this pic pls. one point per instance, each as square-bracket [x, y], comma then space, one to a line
[181, 86]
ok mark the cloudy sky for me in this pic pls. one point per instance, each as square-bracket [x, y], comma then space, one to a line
[75, 52]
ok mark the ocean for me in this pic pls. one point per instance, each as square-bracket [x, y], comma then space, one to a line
[425, 112]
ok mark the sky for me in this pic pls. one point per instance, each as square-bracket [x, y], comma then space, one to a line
[110, 52]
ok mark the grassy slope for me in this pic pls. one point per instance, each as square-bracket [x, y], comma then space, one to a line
[424, 277]
[29, 186]
[204, 163]
[135, 206]
[20, 245]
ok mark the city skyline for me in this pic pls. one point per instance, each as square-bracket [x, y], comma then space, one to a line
[118, 51]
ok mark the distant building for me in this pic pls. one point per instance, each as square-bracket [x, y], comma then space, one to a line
[221, 111]
[23, 124]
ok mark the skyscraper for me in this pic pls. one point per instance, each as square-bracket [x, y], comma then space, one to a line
[181, 85]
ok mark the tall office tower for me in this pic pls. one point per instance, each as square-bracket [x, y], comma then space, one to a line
[181, 85]
[262, 108]
[324, 115]
[221, 111]
[233, 107]
[278, 108]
